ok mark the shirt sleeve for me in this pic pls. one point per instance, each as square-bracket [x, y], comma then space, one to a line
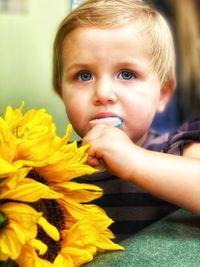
[188, 133]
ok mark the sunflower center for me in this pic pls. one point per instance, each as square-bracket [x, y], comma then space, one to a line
[53, 214]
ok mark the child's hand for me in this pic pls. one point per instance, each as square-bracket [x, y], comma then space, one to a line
[113, 146]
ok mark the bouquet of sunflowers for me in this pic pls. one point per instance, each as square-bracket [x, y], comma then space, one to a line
[46, 219]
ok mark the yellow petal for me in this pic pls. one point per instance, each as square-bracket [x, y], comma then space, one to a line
[21, 213]
[31, 163]
[49, 229]
[10, 244]
[23, 233]
[105, 243]
[38, 245]
[65, 171]
[8, 142]
[6, 168]
[79, 192]
[63, 261]
[88, 230]
[29, 190]
[29, 258]
[79, 255]
[14, 179]
[80, 211]
[82, 233]
[13, 117]
[3, 257]
[34, 150]
[61, 142]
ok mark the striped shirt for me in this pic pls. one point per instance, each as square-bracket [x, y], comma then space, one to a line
[130, 207]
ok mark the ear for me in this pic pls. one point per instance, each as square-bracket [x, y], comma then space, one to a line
[166, 94]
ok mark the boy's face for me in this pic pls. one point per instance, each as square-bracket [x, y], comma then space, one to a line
[106, 73]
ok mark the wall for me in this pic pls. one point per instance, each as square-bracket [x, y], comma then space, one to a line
[26, 42]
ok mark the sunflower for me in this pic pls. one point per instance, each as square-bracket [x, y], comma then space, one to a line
[19, 226]
[8, 149]
[46, 218]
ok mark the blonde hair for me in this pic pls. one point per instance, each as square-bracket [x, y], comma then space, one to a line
[116, 13]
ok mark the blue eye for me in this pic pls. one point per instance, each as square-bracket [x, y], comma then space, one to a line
[84, 76]
[126, 75]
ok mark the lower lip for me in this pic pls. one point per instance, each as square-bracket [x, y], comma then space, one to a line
[108, 121]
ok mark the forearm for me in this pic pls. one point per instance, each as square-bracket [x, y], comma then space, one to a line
[172, 178]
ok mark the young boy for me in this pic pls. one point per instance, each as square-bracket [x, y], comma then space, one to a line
[114, 65]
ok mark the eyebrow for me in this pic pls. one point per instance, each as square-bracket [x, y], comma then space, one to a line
[85, 65]
[77, 66]
[124, 64]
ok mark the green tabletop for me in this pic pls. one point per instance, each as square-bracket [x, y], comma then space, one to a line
[171, 242]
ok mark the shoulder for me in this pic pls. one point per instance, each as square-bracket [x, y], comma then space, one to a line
[186, 140]
[156, 141]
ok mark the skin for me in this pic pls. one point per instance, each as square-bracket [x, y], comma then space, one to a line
[107, 72]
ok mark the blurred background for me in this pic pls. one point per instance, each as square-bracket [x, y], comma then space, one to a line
[27, 31]
[184, 19]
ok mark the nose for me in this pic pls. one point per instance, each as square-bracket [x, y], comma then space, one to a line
[104, 92]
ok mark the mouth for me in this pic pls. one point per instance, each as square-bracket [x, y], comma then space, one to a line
[111, 121]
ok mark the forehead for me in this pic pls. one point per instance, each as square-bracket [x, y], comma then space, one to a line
[124, 39]
[106, 49]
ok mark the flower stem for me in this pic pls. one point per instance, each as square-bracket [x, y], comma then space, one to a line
[3, 221]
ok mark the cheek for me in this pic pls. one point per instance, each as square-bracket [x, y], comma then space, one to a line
[76, 111]
[140, 105]
[139, 115]
[73, 107]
